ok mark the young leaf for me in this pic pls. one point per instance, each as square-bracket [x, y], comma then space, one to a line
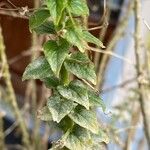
[44, 114]
[75, 93]
[46, 28]
[85, 118]
[37, 69]
[74, 36]
[81, 70]
[56, 8]
[88, 37]
[59, 107]
[77, 139]
[95, 100]
[56, 54]
[38, 17]
[78, 7]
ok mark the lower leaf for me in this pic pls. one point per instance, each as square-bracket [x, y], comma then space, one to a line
[59, 107]
[85, 118]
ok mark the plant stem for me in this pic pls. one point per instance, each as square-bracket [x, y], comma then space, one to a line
[144, 103]
[11, 92]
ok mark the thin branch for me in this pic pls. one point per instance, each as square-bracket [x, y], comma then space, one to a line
[111, 54]
[121, 85]
[147, 25]
[144, 103]
[11, 92]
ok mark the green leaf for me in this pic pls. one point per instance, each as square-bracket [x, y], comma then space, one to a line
[46, 28]
[85, 118]
[44, 114]
[59, 107]
[74, 36]
[78, 7]
[51, 82]
[75, 93]
[79, 58]
[100, 137]
[85, 71]
[38, 17]
[56, 8]
[95, 100]
[77, 139]
[37, 69]
[88, 37]
[56, 54]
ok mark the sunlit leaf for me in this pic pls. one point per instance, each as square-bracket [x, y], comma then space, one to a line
[77, 139]
[85, 118]
[75, 93]
[37, 69]
[59, 107]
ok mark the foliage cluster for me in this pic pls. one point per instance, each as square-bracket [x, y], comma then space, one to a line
[72, 103]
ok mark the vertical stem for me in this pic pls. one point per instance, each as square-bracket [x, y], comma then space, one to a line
[1, 132]
[11, 92]
[144, 103]
[37, 143]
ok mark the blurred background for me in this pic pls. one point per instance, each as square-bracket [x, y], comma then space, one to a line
[123, 70]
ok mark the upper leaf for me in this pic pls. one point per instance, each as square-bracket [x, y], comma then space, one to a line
[85, 118]
[75, 93]
[59, 107]
[78, 7]
[38, 17]
[74, 36]
[44, 114]
[88, 37]
[37, 69]
[56, 8]
[56, 54]
[81, 70]
[45, 28]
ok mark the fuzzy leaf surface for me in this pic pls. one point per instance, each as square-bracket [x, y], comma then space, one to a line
[56, 54]
[75, 93]
[81, 70]
[85, 118]
[59, 107]
[37, 69]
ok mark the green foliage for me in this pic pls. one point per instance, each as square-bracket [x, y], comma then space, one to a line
[72, 103]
